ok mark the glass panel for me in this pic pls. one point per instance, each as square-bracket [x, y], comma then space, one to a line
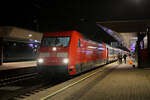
[79, 43]
[56, 41]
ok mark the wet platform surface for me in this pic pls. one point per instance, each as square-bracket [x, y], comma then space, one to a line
[114, 82]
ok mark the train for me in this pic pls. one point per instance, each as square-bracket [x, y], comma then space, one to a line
[19, 44]
[69, 53]
[19, 51]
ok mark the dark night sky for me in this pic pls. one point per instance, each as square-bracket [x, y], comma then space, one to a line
[124, 9]
[69, 14]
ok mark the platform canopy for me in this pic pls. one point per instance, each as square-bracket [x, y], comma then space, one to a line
[10, 33]
[127, 29]
[126, 26]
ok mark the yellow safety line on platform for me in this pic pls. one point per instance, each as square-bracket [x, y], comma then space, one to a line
[68, 86]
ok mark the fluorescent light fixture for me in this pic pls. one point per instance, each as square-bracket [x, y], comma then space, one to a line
[30, 35]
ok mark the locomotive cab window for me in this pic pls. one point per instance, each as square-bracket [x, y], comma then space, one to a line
[79, 43]
[55, 41]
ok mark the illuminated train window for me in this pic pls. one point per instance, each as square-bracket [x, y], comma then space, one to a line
[56, 41]
[79, 43]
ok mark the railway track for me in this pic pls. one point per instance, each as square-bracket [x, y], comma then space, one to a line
[28, 85]
[14, 79]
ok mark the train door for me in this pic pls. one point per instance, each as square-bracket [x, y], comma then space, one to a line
[79, 57]
[107, 58]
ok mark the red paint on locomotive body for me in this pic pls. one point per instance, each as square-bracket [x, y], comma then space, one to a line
[74, 52]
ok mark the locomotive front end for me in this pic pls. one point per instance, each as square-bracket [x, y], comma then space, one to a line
[53, 58]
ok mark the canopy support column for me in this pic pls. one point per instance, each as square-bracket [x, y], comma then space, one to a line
[1, 51]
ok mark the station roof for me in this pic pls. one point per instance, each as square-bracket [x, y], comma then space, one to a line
[127, 29]
[10, 33]
[126, 26]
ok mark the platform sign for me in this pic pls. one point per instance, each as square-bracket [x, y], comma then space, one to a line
[115, 44]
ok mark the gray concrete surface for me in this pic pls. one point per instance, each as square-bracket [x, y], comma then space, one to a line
[118, 82]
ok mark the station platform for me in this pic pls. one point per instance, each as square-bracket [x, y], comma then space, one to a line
[17, 65]
[112, 82]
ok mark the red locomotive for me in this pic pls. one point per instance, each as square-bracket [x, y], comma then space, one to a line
[69, 53]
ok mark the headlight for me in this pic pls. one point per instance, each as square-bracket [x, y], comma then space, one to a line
[66, 60]
[54, 49]
[40, 60]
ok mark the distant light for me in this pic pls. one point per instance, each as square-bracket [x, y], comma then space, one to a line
[133, 45]
[35, 46]
[30, 35]
[36, 41]
[109, 32]
[31, 45]
[101, 48]
[104, 28]
[132, 48]
[100, 44]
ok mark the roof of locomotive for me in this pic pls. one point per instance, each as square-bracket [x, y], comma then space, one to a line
[69, 33]
[62, 33]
